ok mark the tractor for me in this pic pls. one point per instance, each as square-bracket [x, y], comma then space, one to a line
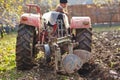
[64, 47]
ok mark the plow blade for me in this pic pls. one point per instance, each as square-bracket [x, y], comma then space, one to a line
[83, 55]
[73, 62]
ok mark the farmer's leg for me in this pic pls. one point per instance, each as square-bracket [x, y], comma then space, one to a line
[1, 34]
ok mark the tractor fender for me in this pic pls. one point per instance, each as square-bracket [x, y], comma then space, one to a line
[31, 19]
[80, 22]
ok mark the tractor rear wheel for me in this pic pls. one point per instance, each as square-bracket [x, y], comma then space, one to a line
[84, 37]
[25, 47]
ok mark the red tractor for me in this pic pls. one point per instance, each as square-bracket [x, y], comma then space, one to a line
[66, 47]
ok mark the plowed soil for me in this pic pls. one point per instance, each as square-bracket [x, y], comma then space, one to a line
[104, 64]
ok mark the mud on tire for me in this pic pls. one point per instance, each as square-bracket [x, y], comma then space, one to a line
[84, 37]
[25, 47]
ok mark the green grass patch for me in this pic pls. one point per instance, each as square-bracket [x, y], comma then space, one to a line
[7, 58]
[103, 28]
[7, 52]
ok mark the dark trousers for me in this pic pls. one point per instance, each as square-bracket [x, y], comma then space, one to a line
[1, 33]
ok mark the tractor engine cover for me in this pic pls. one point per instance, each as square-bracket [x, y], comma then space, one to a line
[71, 63]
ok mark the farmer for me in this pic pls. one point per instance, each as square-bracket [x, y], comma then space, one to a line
[62, 6]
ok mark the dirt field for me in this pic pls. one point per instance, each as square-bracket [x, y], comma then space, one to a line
[104, 65]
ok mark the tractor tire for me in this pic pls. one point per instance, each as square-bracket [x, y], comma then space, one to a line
[84, 37]
[25, 47]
